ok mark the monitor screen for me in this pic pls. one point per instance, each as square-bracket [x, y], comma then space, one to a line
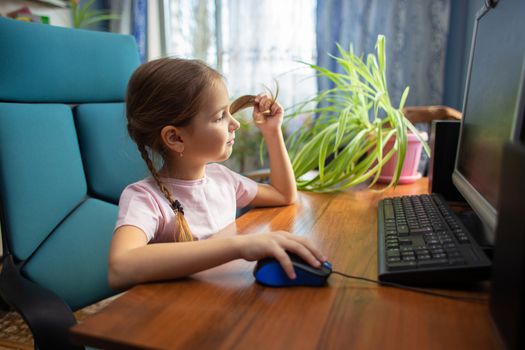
[492, 106]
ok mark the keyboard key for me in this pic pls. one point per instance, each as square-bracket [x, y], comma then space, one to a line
[402, 265]
[402, 228]
[393, 259]
[405, 241]
[463, 239]
[438, 226]
[434, 246]
[432, 262]
[424, 257]
[439, 256]
[392, 253]
[423, 229]
[389, 212]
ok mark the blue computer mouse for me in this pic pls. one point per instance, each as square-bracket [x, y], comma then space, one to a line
[270, 273]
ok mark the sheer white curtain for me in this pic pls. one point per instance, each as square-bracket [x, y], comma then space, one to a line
[251, 42]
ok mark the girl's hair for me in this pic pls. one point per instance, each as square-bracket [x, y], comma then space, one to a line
[166, 91]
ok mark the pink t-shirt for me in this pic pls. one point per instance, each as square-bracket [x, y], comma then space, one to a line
[209, 203]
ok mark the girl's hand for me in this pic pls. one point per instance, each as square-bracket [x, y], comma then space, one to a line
[270, 114]
[276, 244]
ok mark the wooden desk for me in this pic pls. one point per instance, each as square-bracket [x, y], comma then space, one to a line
[224, 308]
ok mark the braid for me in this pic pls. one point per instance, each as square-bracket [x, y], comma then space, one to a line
[155, 174]
[184, 233]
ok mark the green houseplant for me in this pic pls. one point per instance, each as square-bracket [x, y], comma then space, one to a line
[84, 16]
[344, 144]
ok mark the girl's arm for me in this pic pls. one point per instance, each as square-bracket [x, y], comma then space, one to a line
[282, 189]
[133, 261]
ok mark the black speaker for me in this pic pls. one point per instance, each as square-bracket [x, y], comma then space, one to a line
[444, 135]
[507, 297]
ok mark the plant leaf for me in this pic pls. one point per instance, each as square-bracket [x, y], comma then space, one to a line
[404, 97]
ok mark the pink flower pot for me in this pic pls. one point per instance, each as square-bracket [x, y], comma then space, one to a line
[409, 173]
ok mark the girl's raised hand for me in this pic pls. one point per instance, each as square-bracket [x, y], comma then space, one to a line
[267, 114]
[276, 244]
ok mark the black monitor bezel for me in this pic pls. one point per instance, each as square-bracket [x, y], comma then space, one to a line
[486, 212]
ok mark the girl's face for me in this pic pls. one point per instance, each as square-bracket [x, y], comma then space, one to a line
[210, 136]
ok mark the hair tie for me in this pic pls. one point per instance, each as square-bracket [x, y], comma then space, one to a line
[177, 207]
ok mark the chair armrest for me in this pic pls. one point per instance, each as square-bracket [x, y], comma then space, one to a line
[426, 114]
[46, 314]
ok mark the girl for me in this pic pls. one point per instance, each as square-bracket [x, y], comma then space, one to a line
[179, 109]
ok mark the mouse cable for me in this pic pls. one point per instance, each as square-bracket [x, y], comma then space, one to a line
[414, 289]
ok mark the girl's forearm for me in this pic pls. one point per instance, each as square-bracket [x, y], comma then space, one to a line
[164, 261]
[281, 172]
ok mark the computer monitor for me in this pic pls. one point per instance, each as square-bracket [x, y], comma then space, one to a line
[492, 107]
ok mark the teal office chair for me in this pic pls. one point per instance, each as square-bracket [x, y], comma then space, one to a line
[65, 157]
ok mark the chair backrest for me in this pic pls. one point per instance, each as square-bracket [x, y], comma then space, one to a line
[65, 155]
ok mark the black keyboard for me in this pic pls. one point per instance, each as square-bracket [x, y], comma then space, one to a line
[421, 241]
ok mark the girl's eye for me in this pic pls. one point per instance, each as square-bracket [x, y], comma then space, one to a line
[221, 117]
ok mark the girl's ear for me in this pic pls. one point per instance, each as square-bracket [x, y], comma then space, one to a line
[171, 138]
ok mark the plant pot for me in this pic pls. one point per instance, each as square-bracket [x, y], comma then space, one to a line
[409, 173]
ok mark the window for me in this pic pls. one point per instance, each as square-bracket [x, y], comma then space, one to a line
[251, 42]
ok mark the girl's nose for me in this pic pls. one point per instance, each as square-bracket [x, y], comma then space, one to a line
[234, 124]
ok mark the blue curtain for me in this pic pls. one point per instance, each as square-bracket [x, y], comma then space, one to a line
[416, 34]
[139, 25]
